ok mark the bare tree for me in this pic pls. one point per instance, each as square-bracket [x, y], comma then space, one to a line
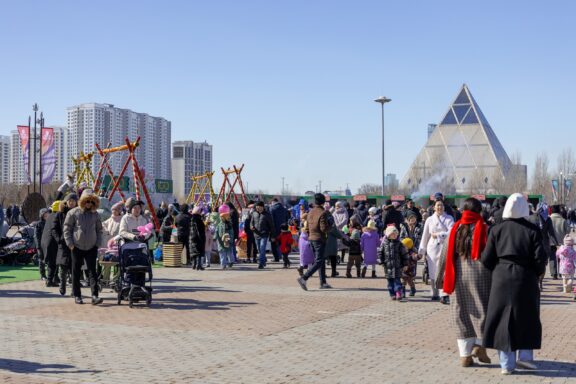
[567, 167]
[541, 180]
[370, 189]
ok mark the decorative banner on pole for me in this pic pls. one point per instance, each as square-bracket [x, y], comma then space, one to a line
[555, 188]
[24, 133]
[48, 155]
[567, 186]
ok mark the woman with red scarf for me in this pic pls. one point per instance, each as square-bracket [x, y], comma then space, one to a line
[469, 281]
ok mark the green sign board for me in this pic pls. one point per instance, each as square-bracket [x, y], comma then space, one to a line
[124, 183]
[163, 186]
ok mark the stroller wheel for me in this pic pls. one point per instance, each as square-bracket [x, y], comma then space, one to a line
[130, 303]
[148, 300]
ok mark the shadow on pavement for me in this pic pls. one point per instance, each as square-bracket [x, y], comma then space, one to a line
[187, 304]
[165, 280]
[175, 288]
[23, 366]
[551, 369]
[15, 293]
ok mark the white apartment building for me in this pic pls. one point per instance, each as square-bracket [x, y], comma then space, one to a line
[4, 159]
[189, 159]
[92, 123]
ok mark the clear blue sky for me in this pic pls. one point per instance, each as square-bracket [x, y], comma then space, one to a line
[287, 87]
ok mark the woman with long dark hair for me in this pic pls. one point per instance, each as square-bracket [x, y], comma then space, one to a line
[469, 281]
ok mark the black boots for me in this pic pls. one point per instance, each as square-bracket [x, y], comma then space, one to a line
[374, 274]
[364, 272]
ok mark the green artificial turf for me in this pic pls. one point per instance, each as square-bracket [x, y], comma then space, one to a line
[14, 274]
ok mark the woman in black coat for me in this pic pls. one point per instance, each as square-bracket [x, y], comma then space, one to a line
[64, 255]
[49, 249]
[515, 255]
[197, 238]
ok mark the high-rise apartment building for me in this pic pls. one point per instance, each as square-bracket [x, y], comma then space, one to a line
[4, 159]
[92, 123]
[189, 159]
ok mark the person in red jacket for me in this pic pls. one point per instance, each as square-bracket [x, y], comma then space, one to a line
[285, 240]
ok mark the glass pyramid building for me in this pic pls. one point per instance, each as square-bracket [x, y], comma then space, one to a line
[462, 154]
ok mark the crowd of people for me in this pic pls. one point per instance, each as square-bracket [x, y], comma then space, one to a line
[490, 260]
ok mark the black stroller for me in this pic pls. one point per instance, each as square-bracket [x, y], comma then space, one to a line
[134, 263]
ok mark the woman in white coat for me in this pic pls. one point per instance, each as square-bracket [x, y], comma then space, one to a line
[436, 231]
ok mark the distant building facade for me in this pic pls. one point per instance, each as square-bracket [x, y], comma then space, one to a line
[189, 158]
[92, 123]
[4, 159]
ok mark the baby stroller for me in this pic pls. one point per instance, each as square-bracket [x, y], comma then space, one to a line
[134, 264]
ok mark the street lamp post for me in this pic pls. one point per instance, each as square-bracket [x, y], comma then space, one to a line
[383, 100]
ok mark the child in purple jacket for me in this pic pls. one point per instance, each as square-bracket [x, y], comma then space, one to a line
[306, 252]
[369, 243]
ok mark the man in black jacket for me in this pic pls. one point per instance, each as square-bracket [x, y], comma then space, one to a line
[279, 216]
[182, 222]
[251, 248]
[262, 225]
[38, 229]
[50, 250]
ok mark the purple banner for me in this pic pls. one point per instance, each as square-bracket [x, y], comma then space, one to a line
[48, 155]
[24, 133]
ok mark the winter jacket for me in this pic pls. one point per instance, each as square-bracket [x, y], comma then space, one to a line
[547, 232]
[279, 215]
[129, 226]
[83, 229]
[64, 255]
[340, 218]
[285, 241]
[394, 257]
[415, 211]
[235, 219]
[306, 252]
[48, 243]
[224, 236]
[332, 241]
[262, 224]
[566, 260]
[560, 225]
[166, 228]
[319, 223]
[369, 242]
[38, 229]
[515, 254]
[361, 212]
[197, 236]
[182, 222]
[414, 233]
[353, 243]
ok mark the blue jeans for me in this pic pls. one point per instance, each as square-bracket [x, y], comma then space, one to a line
[394, 285]
[508, 359]
[319, 249]
[261, 243]
[226, 257]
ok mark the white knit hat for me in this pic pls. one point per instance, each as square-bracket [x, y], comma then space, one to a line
[516, 207]
[390, 230]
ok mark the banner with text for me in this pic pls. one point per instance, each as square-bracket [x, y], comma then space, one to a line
[48, 155]
[24, 133]
[163, 186]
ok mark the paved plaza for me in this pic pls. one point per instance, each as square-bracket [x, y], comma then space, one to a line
[255, 326]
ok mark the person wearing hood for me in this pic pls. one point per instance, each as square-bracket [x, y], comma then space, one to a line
[375, 215]
[197, 238]
[83, 235]
[361, 212]
[38, 229]
[369, 242]
[49, 247]
[469, 282]
[132, 220]
[64, 255]
[515, 253]
[341, 219]
[182, 222]
[542, 220]
[391, 215]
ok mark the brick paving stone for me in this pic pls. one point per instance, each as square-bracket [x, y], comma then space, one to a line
[255, 326]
